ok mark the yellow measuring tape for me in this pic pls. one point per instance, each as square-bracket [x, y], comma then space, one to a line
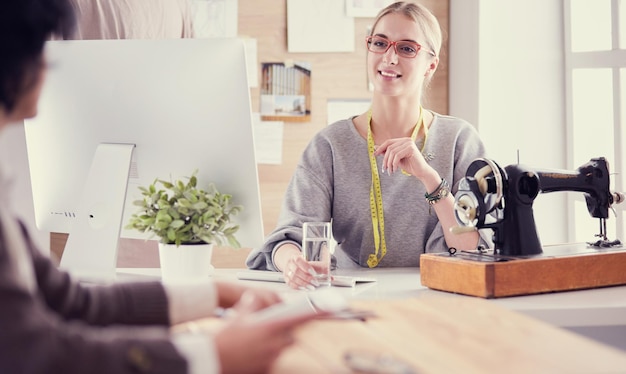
[376, 196]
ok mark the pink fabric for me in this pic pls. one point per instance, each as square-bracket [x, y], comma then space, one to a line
[133, 19]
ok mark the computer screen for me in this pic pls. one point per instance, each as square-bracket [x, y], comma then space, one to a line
[171, 106]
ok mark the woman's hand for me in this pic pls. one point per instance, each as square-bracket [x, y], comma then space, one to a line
[299, 274]
[402, 154]
[258, 343]
[230, 293]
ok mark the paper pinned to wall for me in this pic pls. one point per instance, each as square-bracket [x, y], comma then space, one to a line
[215, 18]
[268, 140]
[319, 26]
[365, 8]
[339, 109]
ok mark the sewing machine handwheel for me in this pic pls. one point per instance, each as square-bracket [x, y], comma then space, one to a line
[466, 210]
[490, 178]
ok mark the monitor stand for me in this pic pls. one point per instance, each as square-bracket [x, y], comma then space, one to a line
[91, 250]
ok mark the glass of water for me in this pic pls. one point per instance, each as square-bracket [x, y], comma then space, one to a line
[317, 249]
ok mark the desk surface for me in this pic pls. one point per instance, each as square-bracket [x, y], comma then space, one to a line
[434, 334]
[434, 331]
[594, 307]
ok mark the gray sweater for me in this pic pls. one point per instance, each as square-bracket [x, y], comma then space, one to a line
[332, 182]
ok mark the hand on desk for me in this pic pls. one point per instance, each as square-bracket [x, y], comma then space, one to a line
[260, 342]
[231, 294]
[298, 274]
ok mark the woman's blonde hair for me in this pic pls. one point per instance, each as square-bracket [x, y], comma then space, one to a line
[422, 16]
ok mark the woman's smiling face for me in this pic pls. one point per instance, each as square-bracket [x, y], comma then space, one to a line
[393, 75]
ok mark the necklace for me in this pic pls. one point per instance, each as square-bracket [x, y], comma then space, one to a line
[376, 197]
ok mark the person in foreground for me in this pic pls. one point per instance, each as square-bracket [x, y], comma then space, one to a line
[51, 324]
[385, 178]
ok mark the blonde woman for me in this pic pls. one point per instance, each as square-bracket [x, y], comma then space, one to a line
[386, 177]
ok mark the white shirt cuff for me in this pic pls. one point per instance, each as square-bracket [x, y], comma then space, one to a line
[200, 352]
[190, 301]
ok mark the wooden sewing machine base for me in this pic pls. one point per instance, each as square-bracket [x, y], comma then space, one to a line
[559, 268]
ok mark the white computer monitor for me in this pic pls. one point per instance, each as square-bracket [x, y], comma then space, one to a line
[154, 109]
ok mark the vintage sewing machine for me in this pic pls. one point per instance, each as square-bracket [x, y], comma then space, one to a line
[490, 197]
[508, 195]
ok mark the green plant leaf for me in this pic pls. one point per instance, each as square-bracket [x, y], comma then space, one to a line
[183, 213]
[177, 224]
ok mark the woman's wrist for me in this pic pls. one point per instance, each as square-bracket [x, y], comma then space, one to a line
[431, 180]
[228, 293]
[283, 253]
[441, 192]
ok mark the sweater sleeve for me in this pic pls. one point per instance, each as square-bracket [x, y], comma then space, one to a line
[289, 228]
[59, 326]
[122, 303]
[308, 198]
[467, 147]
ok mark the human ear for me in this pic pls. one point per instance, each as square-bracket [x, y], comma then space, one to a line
[431, 68]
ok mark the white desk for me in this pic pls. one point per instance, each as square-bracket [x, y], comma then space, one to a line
[595, 307]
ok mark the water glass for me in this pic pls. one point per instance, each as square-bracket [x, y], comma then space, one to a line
[317, 249]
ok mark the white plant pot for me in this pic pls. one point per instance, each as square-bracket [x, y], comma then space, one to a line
[186, 263]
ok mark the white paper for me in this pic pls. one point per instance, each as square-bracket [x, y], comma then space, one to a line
[319, 26]
[339, 109]
[365, 8]
[215, 18]
[268, 140]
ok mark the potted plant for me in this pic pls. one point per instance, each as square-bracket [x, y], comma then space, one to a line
[181, 214]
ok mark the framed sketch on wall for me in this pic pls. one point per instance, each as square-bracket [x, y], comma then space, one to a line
[285, 92]
[215, 18]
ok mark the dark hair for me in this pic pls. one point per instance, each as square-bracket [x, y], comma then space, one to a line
[25, 25]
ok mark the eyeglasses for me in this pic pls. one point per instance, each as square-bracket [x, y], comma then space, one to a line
[403, 48]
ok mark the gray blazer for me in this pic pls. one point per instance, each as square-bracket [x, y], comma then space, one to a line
[51, 324]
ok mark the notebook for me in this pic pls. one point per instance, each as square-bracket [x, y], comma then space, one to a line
[274, 276]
